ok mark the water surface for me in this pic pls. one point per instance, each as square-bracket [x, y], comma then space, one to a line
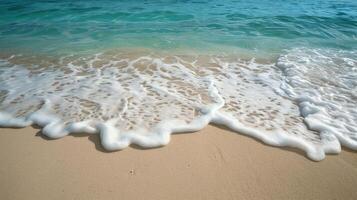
[284, 72]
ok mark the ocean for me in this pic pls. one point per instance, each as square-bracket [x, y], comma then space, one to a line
[134, 72]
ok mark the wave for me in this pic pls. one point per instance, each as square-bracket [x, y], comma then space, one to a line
[304, 100]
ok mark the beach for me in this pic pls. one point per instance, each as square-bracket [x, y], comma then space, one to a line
[213, 163]
[225, 99]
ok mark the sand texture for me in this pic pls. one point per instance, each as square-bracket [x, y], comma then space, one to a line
[211, 164]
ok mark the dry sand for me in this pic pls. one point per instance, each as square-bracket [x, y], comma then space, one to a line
[210, 164]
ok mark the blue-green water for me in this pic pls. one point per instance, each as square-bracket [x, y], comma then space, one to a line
[284, 72]
[260, 25]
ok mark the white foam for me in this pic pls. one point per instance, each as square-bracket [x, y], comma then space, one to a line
[136, 98]
[324, 85]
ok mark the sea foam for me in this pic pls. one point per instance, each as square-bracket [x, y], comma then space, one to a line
[306, 99]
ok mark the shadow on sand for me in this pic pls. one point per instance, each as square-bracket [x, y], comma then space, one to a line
[95, 139]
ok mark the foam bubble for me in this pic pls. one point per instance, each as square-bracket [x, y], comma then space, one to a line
[324, 85]
[142, 98]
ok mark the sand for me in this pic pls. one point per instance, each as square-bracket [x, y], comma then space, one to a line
[211, 164]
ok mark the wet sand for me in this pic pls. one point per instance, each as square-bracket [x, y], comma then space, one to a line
[211, 164]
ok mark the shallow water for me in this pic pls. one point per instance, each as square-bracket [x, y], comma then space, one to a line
[280, 71]
[62, 26]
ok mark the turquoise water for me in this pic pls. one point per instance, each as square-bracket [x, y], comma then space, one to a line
[264, 25]
[134, 72]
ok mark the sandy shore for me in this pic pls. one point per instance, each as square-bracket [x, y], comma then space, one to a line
[210, 164]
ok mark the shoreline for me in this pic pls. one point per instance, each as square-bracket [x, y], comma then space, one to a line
[133, 76]
[241, 53]
[213, 163]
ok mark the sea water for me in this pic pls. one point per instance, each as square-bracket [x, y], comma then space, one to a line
[134, 72]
